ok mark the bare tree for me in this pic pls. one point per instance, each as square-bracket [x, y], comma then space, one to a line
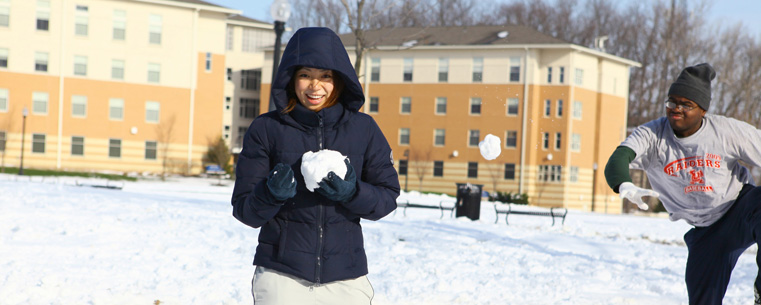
[421, 163]
[164, 134]
[495, 174]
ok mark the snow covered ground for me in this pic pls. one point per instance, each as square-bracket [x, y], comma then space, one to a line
[177, 242]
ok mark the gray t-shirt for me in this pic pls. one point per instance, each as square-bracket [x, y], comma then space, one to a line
[698, 177]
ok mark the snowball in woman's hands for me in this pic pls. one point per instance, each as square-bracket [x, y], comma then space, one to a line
[490, 147]
[316, 165]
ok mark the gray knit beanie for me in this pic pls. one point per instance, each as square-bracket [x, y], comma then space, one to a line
[694, 83]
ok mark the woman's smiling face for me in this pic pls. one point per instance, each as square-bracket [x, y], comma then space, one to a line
[313, 87]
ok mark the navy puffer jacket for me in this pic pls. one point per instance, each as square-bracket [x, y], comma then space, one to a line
[310, 236]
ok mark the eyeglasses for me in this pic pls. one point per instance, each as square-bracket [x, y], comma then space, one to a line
[678, 107]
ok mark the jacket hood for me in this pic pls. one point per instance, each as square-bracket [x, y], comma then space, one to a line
[317, 48]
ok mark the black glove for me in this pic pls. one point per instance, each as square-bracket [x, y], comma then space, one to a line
[337, 189]
[281, 183]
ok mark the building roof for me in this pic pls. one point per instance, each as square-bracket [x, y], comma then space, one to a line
[453, 35]
[247, 19]
[198, 2]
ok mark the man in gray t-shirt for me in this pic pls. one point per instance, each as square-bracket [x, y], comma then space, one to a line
[692, 161]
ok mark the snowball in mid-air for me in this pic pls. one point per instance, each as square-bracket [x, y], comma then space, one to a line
[490, 147]
[316, 165]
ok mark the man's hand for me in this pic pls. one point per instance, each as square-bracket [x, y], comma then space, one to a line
[629, 191]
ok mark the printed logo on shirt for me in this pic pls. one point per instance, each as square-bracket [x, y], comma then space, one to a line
[694, 166]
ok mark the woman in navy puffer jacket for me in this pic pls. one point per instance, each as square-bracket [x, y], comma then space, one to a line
[310, 247]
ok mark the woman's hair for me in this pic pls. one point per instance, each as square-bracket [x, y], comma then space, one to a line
[338, 87]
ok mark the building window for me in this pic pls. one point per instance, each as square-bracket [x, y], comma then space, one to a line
[154, 29]
[115, 148]
[512, 106]
[3, 140]
[43, 15]
[478, 69]
[439, 137]
[208, 61]
[405, 105]
[547, 108]
[403, 167]
[152, 112]
[474, 135]
[373, 104]
[3, 58]
[511, 139]
[41, 61]
[549, 173]
[228, 102]
[117, 69]
[509, 171]
[438, 168]
[230, 38]
[249, 108]
[472, 169]
[80, 65]
[579, 77]
[151, 147]
[475, 106]
[77, 146]
[549, 75]
[515, 69]
[561, 77]
[404, 136]
[3, 100]
[241, 134]
[40, 103]
[81, 20]
[408, 65]
[119, 25]
[441, 105]
[375, 69]
[545, 140]
[229, 73]
[116, 109]
[251, 79]
[78, 106]
[226, 132]
[574, 174]
[577, 110]
[558, 139]
[576, 142]
[443, 69]
[154, 72]
[251, 40]
[38, 143]
[5, 13]
[559, 109]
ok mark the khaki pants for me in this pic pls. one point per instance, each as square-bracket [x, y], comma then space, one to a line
[270, 287]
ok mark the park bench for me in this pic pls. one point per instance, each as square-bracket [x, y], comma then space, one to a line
[553, 212]
[441, 207]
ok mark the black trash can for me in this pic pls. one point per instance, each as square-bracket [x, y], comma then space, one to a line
[469, 200]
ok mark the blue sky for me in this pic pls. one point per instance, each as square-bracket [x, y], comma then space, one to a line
[723, 12]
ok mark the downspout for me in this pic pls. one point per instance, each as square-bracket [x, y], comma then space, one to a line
[524, 122]
[193, 82]
[60, 85]
[570, 130]
[367, 85]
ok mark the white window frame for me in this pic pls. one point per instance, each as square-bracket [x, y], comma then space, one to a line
[545, 140]
[576, 142]
[230, 38]
[113, 104]
[119, 25]
[208, 61]
[478, 70]
[515, 63]
[558, 140]
[405, 100]
[4, 101]
[117, 67]
[79, 144]
[81, 20]
[80, 65]
[573, 174]
[507, 138]
[78, 101]
[443, 75]
[155, 28]
[440, 101]
[579, 77]
[152, 112]
[408, 68]
[474, 137]
[510, 101]
[559, 109]
[561, 75]
[577, 110]
[40, 101]
[42, 13]
[154, 73]
[374, 100]
[547, 108]
[114, 145]
[475, 101]
[38, 140]
[549, 75]
[5, 13]
[375, 69]
[154, 149]
[404, 132]
[439, 134]
[41, 58]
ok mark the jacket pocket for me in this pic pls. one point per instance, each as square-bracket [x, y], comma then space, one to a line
[283, 240]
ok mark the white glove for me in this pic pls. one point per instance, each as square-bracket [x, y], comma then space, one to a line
[629, 191]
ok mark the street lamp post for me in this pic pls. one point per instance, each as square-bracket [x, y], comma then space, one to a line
[280, 11]
[24, 112]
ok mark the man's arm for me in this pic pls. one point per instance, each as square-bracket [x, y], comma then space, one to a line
[617, 169]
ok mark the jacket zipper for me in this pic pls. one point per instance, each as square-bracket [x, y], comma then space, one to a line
[321, 212]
